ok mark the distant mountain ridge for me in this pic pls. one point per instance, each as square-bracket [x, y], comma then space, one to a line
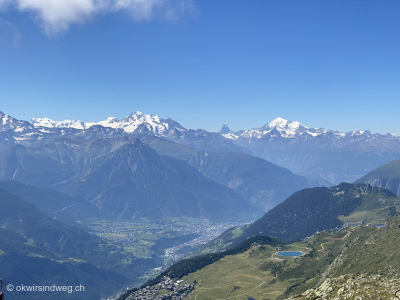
[386, 176]
[131, 123]
[287, 129]
[312, 152]
[316, 153]
[45, 130]
[140, 124]
[163, 127]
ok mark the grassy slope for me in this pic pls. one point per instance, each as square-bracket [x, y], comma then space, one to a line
[374, 209]
[238, 276]
[258, 274]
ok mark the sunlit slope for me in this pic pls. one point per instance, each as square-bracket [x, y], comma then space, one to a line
[364, 252]
[368, 266]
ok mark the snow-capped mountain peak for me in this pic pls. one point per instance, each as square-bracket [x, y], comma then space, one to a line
[135, 116]
[279, 122]
[277, 128]
[7, 122]
[134, 120]
[285, 127]
[282, 128]
[129, 124]
[43, 122]
[67, 123]
[283, 123]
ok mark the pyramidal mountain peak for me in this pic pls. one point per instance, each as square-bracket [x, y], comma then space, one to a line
[224, 129]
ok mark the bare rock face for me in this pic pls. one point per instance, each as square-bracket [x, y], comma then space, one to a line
[353, 287]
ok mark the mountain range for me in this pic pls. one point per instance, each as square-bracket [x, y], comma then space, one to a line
[55, 150]
[317, 153]
[331, 155]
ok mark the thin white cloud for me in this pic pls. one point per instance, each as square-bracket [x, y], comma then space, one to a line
[58, 15]
[140, 9]
[144, 10]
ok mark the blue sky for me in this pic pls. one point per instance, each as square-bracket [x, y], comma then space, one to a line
[332, 64]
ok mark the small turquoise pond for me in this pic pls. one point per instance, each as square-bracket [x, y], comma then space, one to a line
[381, 226]
[290, 253]
[251, 299]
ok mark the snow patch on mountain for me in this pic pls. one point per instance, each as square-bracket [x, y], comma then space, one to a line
[7, 122]
[5, 119]
[152, 123]
[109, 122]
[49, 123]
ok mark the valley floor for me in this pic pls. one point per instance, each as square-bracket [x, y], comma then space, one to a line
[169, 239]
